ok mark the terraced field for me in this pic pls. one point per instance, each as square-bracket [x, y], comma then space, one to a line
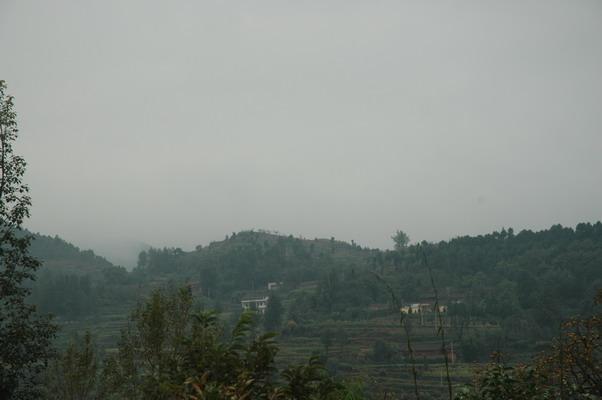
[348, 352]
[352, 357]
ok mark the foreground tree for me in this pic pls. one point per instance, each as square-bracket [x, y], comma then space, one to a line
[150, 362]
[25, 337]
[168, 351]
[574, 364]
[73, 375]
[570, 369]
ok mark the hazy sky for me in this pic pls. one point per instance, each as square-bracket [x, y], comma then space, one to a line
[177, 122]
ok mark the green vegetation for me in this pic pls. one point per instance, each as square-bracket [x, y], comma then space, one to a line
[170, 351]
[401, 240]
[25, 336]
[503, 292]
[73, 374]
[571, 369]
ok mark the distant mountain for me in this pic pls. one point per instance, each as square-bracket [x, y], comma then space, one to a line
[73, 283]
[61, 256]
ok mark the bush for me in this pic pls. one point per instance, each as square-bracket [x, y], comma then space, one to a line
[382, 352]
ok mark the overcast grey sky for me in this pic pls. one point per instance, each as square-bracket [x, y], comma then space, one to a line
[177, 122]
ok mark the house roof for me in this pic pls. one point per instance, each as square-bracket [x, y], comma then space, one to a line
[254, 300]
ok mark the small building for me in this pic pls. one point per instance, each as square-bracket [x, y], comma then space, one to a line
[274, 285]
[416, 308]
[420, 308]
[260, 304]
[426, 311]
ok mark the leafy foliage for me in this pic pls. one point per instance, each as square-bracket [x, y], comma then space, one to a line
[401, 240]
[25, 336]
[149, 362]
[571, 369]
[500, 382]
[574, 364]
[170, 351]
[73, 375]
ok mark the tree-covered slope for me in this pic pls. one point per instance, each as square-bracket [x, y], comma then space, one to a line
[73, 283]
[57, 253]
[249, 260]
[522, 283]
[505, 291]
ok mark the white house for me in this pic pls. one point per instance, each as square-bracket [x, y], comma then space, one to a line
[421, 308]
[260, 304]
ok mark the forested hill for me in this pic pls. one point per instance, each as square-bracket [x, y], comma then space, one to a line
[55, 252]
[525, 283]
[71, 282]
[560, 260]
[249, 259]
